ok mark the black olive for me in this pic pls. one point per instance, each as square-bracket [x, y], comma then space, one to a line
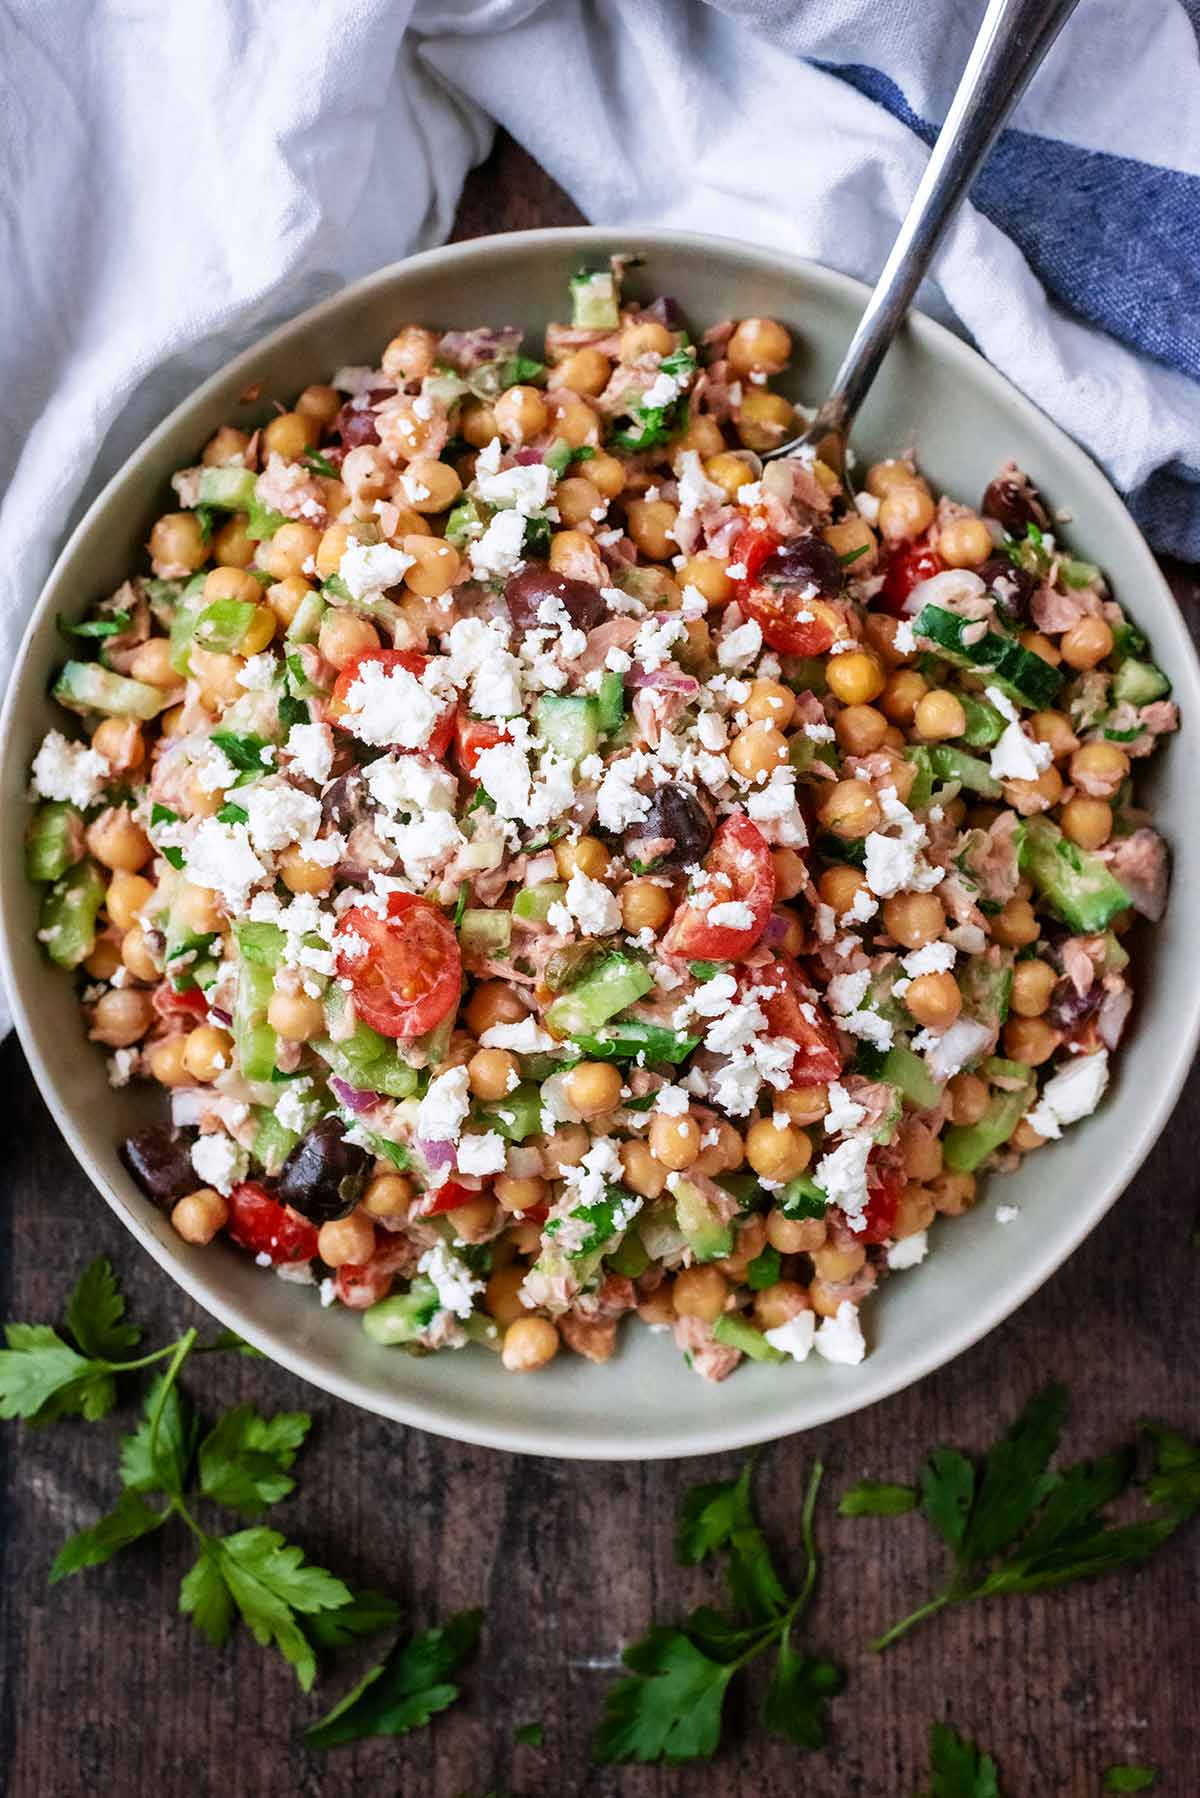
[1013, 586]
[1013, 501]
[324, 1175]
[676, 831]
[355, 425]
[804, 562]
[344, 803]
[529, 586]
[160, 1160]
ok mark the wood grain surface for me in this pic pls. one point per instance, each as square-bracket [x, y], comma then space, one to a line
[105, 1689]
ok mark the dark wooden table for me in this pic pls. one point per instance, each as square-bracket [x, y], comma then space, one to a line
[103, 1688]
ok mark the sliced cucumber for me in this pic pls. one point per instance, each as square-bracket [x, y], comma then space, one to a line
[87, 687]
[1024, 676]
[612, 985]
[569, 723]
[1076, 882]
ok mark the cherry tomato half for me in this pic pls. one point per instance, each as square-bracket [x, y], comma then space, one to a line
[790, 624]
[414, 663]
[794, 1011]
[906, 570]
[451, 1197]
[170, 1004]
[472, 736]
[410, 973]
[358, 1285]
[262, 1226]
[883, 1201]
[741, 853]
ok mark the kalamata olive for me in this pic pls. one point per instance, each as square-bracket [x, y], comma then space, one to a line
[1012, 585]
[676, 831]
[355, 424]
[1068, 1007]
[344, 803]
[1013, 501]
[160, 1160]
[324, 1176]
[525, 591]
[804, 562]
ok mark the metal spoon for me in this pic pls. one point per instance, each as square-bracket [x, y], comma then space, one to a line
[1013, 38]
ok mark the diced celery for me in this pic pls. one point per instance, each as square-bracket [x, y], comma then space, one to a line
[67, 923]
[273, 1141]
[485, 932]
[263, 944]
[253, 1037]
[222, 625]
[921, 791]
[404, 1316]
[532, 904]
[734, 1332]
[986, 986]
[615, 983]
[965, 1146]
[1076, 882]
[87, 687]
[629, 1258]
[228, 487]
[708, 1235]
[595, 301]
[307, 621]
[53, 840]
[802, 1198]
[464, 523]
[907, 1071]
[1139, 683]
[517, 1115]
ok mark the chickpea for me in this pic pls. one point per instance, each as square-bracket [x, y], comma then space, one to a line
[120, 742]
[501, 1295]
[296, 1017]
[759, 345]
[759, 749]
[1014, 924]
[879, 630]
[749, 1240]
[576, 499]
[290, 435]
[882, 477]
[728, 470]
[492, 1003]
[476, 1220]
[804, 1104]
[1088, 822]
[335, 541]
[795, 1235]
[492, 1072]
[117, 842]
[722, 1156]
[104, 960]
[1054, 728]
[1038, 645]
[849, 809]
[953, 1193]
[861, 729]
[207, 1052]
[833, 1264]
[606, 473]
[853, 537]
[1029, 796]
[645, 905]
[172, 722]
[136, 955]
[776, 1304]
[793, 940]
[700, 1292]
[289, 549]
[791, 875]
[914, 919]
[127, 895]
[177, 545]
[574, 420]
[570, 551]
[389, 1195]
[410, 354]
[223, 446]
[428, 485]
[529, 1343]
[231, 547]
[523, 1236]
[1033, 983]
[519, 1195]
[855, 677]
[674, 1141]
[903, 693]
[904, 513]
[702, 433]
[650, 523]
[921, 1150]
[770, 702]
[165, 1061]
[585, 856]
[321, 404]
[347, 1241]
[648, 338]
[934, 1000]
[299, 875]
[764, 420]
[151, 662]
[968, 1096]
[706, 573]
[593, 1087]
[777, 1154]
[121, 1017]
[658, 1307]
[1030, 1039]
[643, 1174]
[1098, 769]
[259, 632]
[435, 565]
[520, 414]
[1086, 643]
[477, 424]
[587, 372]
[199, 1216]
[840, 886]
[343, 637]
[1025, 1137]
[939, 715]
[217, 677]
[964, 542]
[286, 597]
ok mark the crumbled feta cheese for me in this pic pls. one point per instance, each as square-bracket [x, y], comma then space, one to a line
[258, 675]
[445, 1107]
[387, 705]
[795, 1337]
[595, 908]
[121, 1065]
[497, 552]
[618, 802]
[311, 748]
[840, 1338]
[411, 783]
[527, 488]
[456, 1285]
[219, 1161]
[889, 865]
[1071, 1094]
[731, 914]
[934, 958]
[948, 1053]
[483, 1154]
[905, 640]
[845, 1114]
[525, 1037]
[69, 771]
[672, 1100]
[371, 568]
[842, 1176]
[909, 1252]
[740, 647]
[296, 1106]
[219, 856]
[1018, 757]
[277, 816]
[654, 640]
[1007, 1214]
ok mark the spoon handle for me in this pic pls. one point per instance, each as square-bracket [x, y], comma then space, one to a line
[1013, 38]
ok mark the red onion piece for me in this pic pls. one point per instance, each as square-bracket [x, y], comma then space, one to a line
[666, 680]
[435, 1154]
[528, 458]
[775, 934]
[221, 1016]
[350, 1096]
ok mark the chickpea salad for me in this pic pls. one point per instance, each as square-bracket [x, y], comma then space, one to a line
[561, 866]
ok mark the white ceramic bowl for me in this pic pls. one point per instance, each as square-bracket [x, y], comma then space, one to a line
[964, 420]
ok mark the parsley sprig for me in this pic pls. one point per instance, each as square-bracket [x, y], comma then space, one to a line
[1016, 1526]
[671, 1707]
[959, 1769]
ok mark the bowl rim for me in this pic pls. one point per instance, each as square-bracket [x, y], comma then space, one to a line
[871, 1383]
